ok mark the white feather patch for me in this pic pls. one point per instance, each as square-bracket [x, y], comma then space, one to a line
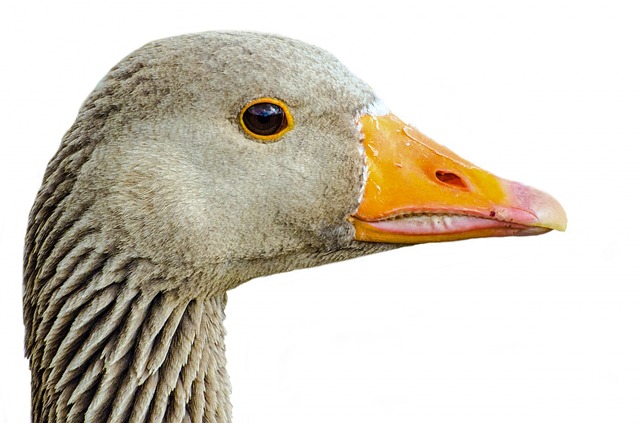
[365, 172]
[376, 108]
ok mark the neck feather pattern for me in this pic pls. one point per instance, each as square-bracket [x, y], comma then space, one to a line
[107, 339]
[117, 355]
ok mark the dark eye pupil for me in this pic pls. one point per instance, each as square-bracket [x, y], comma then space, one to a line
[264, 119]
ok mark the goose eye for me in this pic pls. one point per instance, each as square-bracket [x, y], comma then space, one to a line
[266, 119]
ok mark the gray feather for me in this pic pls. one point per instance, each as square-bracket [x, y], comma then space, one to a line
[157, 203]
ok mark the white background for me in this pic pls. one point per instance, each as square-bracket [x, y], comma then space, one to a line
[543, 329]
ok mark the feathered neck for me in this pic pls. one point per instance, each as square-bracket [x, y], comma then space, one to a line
[109, 338]
[130, 357]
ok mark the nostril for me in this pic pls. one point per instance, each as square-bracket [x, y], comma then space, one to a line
[450, 179]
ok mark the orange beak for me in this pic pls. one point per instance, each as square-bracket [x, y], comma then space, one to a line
[419, 191]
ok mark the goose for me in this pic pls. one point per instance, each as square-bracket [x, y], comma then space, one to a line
[198, 163]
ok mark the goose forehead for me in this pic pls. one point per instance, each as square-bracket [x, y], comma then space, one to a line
[237, 67]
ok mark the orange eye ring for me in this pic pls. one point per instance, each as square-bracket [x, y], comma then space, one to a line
[266, 119]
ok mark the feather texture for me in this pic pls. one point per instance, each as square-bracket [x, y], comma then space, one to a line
[150, 211]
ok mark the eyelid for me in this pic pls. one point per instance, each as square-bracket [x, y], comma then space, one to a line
[277, 102]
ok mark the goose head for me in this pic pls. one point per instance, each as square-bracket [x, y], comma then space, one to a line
[202, 161]
[182, 178]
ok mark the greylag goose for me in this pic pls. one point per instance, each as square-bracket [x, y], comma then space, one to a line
[198, 163]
